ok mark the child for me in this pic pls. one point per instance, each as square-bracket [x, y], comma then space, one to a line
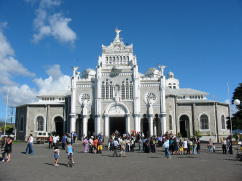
[69, 151]
[56, 155]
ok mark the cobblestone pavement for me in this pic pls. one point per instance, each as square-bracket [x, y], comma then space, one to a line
[133, 167]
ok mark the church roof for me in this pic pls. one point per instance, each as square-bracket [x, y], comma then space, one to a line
[184, 91]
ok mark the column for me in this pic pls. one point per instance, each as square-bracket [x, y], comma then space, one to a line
[137, 122]
[151, 128]
[106, 122]
[84, 126]
[73, 100]
[127, 123]
[163, 100]
[155, 129]
[97, 124]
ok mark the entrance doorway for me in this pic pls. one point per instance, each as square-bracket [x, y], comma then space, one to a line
[184, 126]
[59, 126]
[117, 124]
[90, 127]
[145, 125]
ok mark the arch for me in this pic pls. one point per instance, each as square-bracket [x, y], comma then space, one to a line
[222, 121]
[122, 105]
[204, 121]
[170, 122]
[40, 123]
[184, 121]
[59, 125]
[21, 124]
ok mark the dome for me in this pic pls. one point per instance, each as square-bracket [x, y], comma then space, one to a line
[171, 75]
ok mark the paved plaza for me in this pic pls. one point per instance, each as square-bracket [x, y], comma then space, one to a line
[104, 167]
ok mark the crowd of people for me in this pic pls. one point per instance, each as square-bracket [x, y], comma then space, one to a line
[119, 144]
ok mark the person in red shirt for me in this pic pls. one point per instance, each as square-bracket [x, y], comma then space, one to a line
[50, 141]
[95, 144]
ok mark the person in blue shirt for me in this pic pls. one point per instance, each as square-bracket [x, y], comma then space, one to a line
[69, 150]
[166, 147]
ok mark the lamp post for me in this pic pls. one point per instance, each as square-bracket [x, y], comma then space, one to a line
[5, 123]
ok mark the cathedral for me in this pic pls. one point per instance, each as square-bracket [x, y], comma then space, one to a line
[117, 97]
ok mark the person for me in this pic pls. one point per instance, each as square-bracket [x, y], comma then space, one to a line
[63, 142]
[74, 137]
[122, 147]
[185, 146]
[56, 155]
[166, 147]
[8, 149]
[99, 146]
[69, 150]
[224, 143]
[29, 148]
[85, 145]
[95, 144]
[198, 146]
[115, 144]
[50, 141]
[55, 140]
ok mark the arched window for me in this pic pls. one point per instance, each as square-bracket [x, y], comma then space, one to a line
[21, 124]
[223, 122]
[107, 89]
[204, 121]
[170, 122]
[40, 123]
[123, 90]
[131, 90]
[103, 90]
[111, 90]
[127, 89]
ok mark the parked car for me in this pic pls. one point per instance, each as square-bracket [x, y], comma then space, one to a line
[40, 136]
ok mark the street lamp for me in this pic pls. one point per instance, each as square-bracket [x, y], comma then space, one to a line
[237, 102]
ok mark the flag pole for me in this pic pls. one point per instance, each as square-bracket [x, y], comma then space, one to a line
[5, 124]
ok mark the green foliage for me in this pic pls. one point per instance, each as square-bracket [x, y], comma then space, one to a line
[237, 117]
[9, 129]
[198, 134]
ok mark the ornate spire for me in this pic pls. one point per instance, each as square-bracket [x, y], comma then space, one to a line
[117, 38]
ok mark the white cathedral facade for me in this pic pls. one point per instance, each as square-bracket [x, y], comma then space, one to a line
[116, 96]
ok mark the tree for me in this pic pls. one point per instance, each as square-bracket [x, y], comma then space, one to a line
[237, 117]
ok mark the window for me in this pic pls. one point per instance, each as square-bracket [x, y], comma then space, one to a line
[170, 122]
[123, 90]
[40, 123]
[111, 90]
[107, 91]
[223, 122]
[103, 90]
[21, 124]
[204, 121]
[127, 89]
[131, 90]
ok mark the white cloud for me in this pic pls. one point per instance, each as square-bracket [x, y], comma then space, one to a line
[55, 24]
[23, 94]
[56, 82]
[9, 65]
[18, 94]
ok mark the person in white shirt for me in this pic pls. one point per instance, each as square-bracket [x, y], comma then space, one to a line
[29, 148]
[185, 146]
[115, 145]
[55, 140]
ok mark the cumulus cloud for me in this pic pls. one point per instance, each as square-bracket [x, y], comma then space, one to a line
[52, 24]
[23, 94]
[55, 83]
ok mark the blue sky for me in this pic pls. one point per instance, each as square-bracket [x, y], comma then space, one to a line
[200, 41]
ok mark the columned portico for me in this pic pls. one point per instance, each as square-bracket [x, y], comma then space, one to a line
[137, 122]
[106, 123]
[98, 124]
[127, 120]
[151, 128]
[84, 127]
